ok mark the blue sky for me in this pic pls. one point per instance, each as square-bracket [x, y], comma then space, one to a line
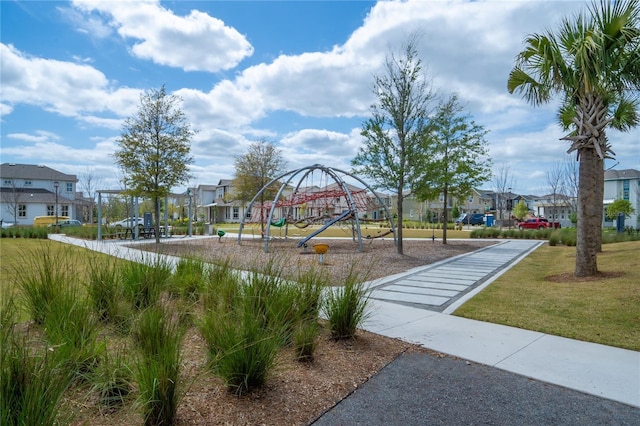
[296, 73]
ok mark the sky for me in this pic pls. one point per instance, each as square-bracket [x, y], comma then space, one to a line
[298, 74]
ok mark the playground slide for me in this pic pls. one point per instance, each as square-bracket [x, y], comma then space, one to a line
[325, 226]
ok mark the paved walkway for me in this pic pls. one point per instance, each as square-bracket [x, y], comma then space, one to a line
[439, 286]
[415, 307]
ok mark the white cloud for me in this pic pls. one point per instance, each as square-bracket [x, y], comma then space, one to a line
[5, 109]
[40, 136]
[196, 42]
[65, 88]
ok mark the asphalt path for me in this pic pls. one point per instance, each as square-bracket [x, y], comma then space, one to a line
[427, 389]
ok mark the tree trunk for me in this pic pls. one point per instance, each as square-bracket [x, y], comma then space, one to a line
[600, 200]
[156, 202]
[589, 227]
[445, 216]
[399, 222]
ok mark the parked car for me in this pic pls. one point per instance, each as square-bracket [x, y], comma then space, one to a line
[471, 219]
[129, 222]
[66, 223]
[537, 223]
[48, 220]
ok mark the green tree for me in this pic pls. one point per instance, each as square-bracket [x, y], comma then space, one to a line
[154, 148]
[592, 63]
[454, 157]
[261, 164]
[619, 206]
[520, 210]
[390, 153]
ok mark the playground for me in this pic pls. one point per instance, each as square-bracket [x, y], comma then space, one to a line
[316, 195]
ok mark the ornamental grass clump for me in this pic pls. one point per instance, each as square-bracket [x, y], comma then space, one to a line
[112, 381]
[158, 336]
[247, 327]
[187, 279]
[346, 307]
[32, 382]
[71, 330]
[42, 278]
[143, 282]
[104, 287]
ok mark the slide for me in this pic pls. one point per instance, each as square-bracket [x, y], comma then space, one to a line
[325, 226]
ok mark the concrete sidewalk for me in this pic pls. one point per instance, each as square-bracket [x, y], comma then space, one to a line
[403, 308]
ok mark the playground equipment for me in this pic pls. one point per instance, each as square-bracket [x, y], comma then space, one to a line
[320, 250]
[328, 200]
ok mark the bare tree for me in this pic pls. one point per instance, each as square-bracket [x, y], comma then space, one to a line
[12, 199]
[555, 180]
[89, 183]
[571, 179]
[503, 182]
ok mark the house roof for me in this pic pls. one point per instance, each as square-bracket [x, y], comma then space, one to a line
[621, 174]
[28, 195]
[32, 171]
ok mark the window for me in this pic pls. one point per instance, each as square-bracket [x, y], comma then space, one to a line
[64, 210]
[51, 210]
[220, 193]
[7, 182]
[236, 212]
[22, 210]
[28, 183]
[69, 187]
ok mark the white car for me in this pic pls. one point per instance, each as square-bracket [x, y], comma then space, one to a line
[128, 223]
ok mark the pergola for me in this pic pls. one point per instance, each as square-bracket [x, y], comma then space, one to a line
[134, 209]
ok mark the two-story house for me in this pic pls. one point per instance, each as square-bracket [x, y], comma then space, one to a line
[28, 191]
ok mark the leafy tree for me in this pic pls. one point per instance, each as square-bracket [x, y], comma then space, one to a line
[391, 150]
[592, 62]
[619, 206]
[155, 147]
[520, 210]
[455, 157]
[261, 164]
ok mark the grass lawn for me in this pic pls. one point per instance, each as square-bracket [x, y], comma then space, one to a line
[541, 294]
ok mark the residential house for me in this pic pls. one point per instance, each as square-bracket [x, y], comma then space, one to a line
[625, 185]
[28, 191]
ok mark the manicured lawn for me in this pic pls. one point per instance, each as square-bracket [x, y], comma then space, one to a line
[540, 294]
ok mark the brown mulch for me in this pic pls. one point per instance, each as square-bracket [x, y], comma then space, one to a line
[379, 257]
[297, 392]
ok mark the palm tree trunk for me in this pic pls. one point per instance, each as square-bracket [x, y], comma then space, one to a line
[589, 227]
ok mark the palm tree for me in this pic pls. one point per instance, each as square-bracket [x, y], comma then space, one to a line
[593, 64]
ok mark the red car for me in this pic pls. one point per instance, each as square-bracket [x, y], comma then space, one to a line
[537, 223]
